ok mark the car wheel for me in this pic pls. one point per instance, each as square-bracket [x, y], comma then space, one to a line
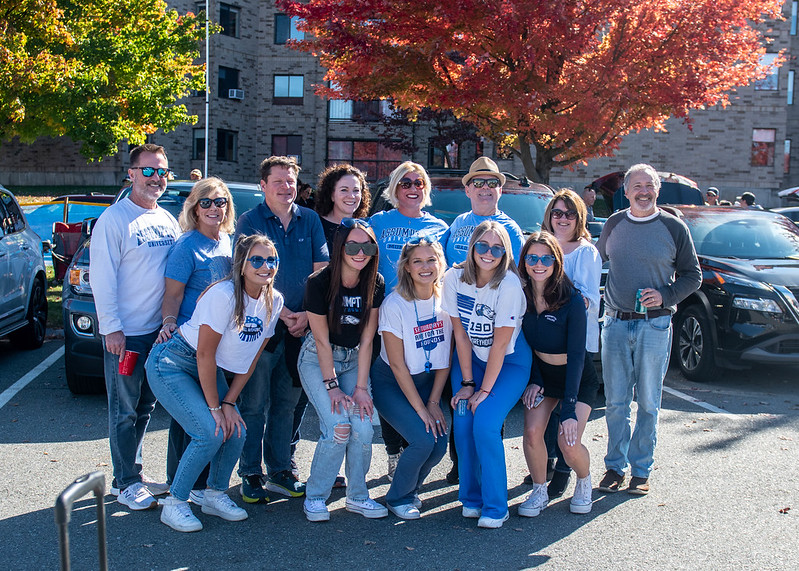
[694, 345]
[81, 384]
[32, 335]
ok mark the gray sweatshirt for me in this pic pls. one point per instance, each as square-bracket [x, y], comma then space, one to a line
[654, 253]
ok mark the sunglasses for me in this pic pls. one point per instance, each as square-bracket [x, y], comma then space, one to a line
[547, 260]
[479, 182]
[368, 248]
[416, 240]
[220, 202]
[150, 171]
[355, 222]
[258, 261]
[483, 248]
[406, 183]
[557, 214]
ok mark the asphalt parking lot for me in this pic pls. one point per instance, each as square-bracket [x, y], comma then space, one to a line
[725, 492]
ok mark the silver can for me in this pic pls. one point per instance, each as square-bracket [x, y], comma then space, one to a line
[461, 409]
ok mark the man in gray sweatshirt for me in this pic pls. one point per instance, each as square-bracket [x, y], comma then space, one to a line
[650, 251]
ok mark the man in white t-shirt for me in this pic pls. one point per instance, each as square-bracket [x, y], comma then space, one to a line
[129, 248]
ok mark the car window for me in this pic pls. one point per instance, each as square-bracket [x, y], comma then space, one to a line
[13, 220]
[743, 234]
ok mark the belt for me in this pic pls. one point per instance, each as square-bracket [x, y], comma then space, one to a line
[628, 315]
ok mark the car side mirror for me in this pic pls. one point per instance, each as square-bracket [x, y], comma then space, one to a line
[46, 246]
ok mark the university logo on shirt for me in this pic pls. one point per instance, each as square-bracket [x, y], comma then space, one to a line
[155, 236]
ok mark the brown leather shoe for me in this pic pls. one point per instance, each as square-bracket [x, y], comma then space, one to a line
[638, 486]
[611, 482]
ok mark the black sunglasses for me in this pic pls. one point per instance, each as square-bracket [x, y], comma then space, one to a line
[483, 248]
[479, 182]
[557, 214]
[258, 261]
[150, 171]
[547, 260]
[406, 183]
[220, 202]
[368, 248]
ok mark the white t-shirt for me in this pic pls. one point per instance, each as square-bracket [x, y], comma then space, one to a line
[432, 331]
[482, 309]
[236, 349]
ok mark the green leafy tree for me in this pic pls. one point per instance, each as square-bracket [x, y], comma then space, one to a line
[98, 71]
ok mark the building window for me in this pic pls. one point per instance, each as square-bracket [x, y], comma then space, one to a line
[340, 110]
[227, 145]
[229, 20]
[444, 156]
[286, 29]
[771, 81]
[791, 77]
[786, 157]
[794, 11]
[198, 144]
[228, 79]
[288, 90]
[363, 111]
[287, 146]
[374, 158]
[763, 147]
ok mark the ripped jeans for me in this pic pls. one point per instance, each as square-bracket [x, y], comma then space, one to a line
[342, 434]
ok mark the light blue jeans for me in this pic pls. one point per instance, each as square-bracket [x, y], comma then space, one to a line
[330, 451]
[130, 404]
[267, 404]
[424, 450]
[172, 370]
[635, 354]
[481, 453]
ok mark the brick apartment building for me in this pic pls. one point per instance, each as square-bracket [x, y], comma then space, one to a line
[262, 102]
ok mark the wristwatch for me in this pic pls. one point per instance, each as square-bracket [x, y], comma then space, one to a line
[331, 383]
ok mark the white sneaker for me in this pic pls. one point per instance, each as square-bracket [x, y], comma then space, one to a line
[405, 511]
[368, 508]
[177, 515]
[197, 497]
[393, 459]
[315, 510]
[137, 497]
[219, 504]
[155, 488]
[581, 501]
[535, 502]
[492, 523]
[471, 513]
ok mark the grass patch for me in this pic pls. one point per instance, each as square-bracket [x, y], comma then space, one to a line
[55, 317]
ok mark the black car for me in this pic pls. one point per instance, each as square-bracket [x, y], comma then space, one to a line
[83, 349]
[746, 310]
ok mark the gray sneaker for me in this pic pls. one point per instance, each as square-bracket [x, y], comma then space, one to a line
[137, 497]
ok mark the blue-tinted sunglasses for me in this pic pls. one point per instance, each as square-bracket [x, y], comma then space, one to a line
[355, 222]
[258, 261]
[150, 171]
[416, 240]
[547, 260]
[483, 248]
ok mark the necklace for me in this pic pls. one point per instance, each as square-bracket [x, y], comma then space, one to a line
[427, 364]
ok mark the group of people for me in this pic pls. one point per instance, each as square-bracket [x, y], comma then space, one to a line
[397, 314]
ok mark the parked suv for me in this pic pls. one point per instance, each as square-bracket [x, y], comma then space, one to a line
[746, 311]
[23, 289]
[83, 349]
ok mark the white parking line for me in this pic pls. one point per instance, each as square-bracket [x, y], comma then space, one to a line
[9, 393]
[692, 400]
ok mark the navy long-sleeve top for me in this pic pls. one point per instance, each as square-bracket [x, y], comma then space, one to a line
[557, 332]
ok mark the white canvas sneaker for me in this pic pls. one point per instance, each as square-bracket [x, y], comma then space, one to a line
[368, 508]
[219, 504]
[581, 502]
[535, 502]
[315, 510]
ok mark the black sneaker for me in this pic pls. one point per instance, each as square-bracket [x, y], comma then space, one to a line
[551, 467]
[611, 482]
[252, 490]
[452, 476]
[286, 483]
[558, 483]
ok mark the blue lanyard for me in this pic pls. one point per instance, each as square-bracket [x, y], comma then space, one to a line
[427, 365]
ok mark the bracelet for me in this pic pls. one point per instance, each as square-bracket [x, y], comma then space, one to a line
[468, 383]
[434, 402]
[227, 403]
[214, 408]
[486, 392]
[362, 388]
[163, 321]
[331, 383]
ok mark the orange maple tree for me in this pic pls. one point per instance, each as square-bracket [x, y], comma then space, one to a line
[555, 82]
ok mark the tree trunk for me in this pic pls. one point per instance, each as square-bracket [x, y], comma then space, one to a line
[537, 169]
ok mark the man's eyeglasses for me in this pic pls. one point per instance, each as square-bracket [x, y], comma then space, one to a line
[483, 248]
[150, 171]
[258, 261]
[557, 214]
[479, 182]
[220, 202]
[368, 248]
[406, 183]
[547, 260]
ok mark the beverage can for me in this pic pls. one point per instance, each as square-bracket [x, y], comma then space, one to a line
[639, 305]
[462, 404]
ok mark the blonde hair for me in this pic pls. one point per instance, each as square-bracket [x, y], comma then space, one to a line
[203, 189]
[506, 264]
[390, 193]
[572, 201]
[404, 285]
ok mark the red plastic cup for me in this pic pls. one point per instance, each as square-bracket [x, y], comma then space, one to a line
[128, 363]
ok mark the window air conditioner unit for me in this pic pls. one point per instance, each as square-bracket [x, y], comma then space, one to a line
[235, 93]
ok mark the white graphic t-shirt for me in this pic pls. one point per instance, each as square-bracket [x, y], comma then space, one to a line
[236, 349]
[482, 309]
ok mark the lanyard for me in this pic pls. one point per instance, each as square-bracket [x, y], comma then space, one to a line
[427, 365]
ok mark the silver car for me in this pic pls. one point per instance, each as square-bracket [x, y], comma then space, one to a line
[23, 289]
